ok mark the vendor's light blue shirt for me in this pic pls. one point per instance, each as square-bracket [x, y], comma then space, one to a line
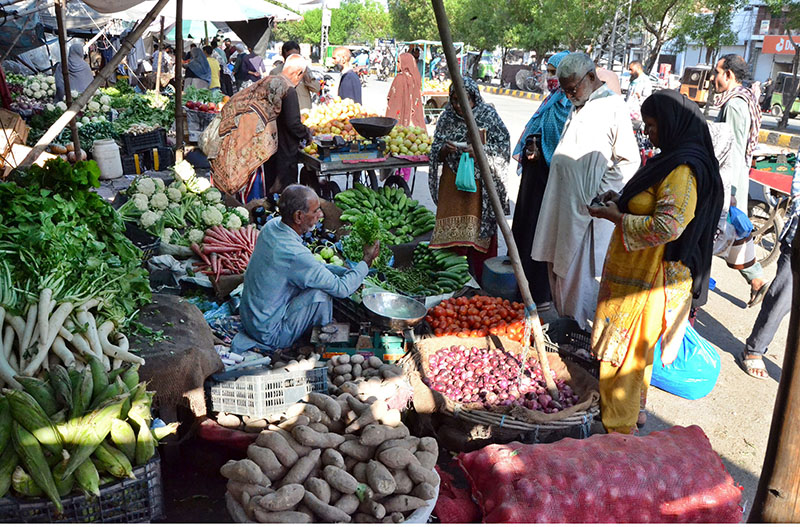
[280, 268]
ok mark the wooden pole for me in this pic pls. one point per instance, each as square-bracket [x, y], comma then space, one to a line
[778, 496]
[532, 316]
[62, 46]
[161, 50]
[99, 79]
[178, 80]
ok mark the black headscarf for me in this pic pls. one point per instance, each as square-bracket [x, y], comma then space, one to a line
[684, 139]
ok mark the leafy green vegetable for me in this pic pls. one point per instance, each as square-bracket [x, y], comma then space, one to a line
[367, 227]
[204, 95]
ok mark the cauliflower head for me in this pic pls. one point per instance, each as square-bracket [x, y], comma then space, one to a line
[220, 207]
[160, 186]
[211, 216]
[146, 186]
[159, 201]
[141, 202]
[212, 196]
[93, 106]
[184, 170]
[178, 184]
[166, 236]
[243, 214]
[61, 105]
[174, 194]
[196, 236]
[149, 219]
[234, 222]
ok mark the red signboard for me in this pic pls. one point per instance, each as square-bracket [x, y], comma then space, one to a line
[781, 45]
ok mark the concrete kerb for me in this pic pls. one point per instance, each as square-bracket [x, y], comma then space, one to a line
[512, 93]
[779, 139]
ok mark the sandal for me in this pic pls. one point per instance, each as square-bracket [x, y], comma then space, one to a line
[754, 367]
[758, 295]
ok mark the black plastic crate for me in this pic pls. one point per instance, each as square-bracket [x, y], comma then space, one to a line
[133, 144]
[159, 158]
[569, 337]
[142, 239]
[139, 500]
[134, 164]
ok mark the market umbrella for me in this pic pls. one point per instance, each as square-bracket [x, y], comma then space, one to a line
[195, 28]
[217, 11]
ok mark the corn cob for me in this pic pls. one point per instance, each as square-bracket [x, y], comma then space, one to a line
[63, 484]
[82, 393]
[113, 374]
[99, 377]
[23, 483]
[87, 477]
[60, 381]
[113, 461]
[41, 391]
[27, 412]
[145, 444]
[112, 390]
[32, 456]
[131, 376]
[5, 424]
[8, 460]
[124, 437]
[93, 428]
[163, 431]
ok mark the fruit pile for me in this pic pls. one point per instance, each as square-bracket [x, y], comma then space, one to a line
[478, 316]
[210, 107]
[436, 86]
[334, 118]
[408, 140]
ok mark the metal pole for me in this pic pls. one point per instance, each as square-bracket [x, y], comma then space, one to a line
[98, 81]
[532, 316]
[62, 46]
[777, 498]
[179, 80]
[160, 55]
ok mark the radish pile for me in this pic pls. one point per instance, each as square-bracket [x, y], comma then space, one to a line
[225, 252]
[489, 377]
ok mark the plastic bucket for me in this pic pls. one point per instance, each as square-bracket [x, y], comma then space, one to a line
[106, 153]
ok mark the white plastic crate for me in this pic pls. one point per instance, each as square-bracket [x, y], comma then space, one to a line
[264, 393]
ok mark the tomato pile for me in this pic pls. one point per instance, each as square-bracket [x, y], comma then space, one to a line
[478, 316]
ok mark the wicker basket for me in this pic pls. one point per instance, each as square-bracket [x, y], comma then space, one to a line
[508, 423]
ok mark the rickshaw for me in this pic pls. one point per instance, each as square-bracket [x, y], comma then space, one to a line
[770, 191]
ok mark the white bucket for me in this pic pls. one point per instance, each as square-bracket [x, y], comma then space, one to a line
[106, 153]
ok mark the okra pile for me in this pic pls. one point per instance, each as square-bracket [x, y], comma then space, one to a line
[75, 430]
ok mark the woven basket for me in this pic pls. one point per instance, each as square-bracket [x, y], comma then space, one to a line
[508, 419]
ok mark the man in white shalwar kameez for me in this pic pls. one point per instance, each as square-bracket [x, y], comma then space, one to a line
[597, 153]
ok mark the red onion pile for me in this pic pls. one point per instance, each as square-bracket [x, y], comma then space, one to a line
[489, 377]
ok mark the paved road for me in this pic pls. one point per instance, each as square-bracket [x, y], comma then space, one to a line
[736, 416]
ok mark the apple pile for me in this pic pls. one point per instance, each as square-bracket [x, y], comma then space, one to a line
[209, 107]
[334, 118]
[408, 140]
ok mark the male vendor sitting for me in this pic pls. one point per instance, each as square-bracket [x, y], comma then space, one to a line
[286, 290]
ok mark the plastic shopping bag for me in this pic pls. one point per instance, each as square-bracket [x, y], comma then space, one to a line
[465, 179]
[694, 372]
[740, 222]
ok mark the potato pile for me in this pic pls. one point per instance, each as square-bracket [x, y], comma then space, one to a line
[333, 460]
[363, 377]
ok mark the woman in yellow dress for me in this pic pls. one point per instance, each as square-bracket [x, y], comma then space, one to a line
[659, 258]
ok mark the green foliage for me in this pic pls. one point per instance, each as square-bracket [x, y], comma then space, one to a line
[710, 28]
[354, 22]
[414, 19]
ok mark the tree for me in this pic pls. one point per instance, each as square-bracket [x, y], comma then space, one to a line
[790, 10]
[354, 22]
[660, 18]
[413, 19]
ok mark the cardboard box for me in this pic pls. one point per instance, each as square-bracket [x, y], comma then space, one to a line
[13, 121]
[17, 155]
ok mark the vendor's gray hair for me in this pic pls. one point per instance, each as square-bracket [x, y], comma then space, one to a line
[575, 64]
[294, 198]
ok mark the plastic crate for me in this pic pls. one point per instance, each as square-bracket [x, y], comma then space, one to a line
[160, 158]
[142, 239]
[133, 144]
[139, 500]
[566, 332]
[134, 164]
[264, 392]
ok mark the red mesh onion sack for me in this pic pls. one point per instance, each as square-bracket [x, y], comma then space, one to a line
[672, 476]
[454, 505]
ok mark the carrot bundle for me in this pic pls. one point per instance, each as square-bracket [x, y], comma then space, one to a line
[224, 251]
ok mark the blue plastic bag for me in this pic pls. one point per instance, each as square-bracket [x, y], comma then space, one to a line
[740, 222]
[695, 370]
[465, 179]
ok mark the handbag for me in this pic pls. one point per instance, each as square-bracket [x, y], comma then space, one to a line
[465, 178]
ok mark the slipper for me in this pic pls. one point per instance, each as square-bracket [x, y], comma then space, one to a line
[757, 296]
[751, 366]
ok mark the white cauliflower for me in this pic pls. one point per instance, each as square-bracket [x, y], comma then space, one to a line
[93, 106]
[196, 236]
[79, 124]
[85, 120]
[174, 194]
[173, 205]
[149, 219]
[34, 86]
[146, 186]
[50, 80]
[234, 222]
[160, 186]
[105, 100]
[184, 170]
[105, 108]
[178, 184]
[61, 105]
[141, 202]
[212, 196]
[74, 93]
[159, 201]
[166, 236]
[49, 107]
[243, 214]
[220, 207]
[211, 216]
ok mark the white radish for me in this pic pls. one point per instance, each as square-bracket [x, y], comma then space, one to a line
[62, 352]
[82, 346]
[7, 373]
[18, 323]
[120, 350]
[87, 319]
[89, 304]
[8, 345]
[45, 343]
[44, 321]
[30, 323]
[116, 364]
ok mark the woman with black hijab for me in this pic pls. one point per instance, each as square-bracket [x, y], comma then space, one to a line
[659, 258]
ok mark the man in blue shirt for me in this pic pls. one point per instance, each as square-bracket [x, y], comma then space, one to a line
[286, 290]
[778, 300]
[349, 83]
